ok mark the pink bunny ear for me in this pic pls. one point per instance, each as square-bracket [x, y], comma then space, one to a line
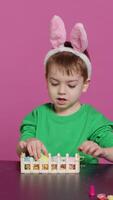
[57, 32]
[78, 38]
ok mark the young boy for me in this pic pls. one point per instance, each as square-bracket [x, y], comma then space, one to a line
[66, 125]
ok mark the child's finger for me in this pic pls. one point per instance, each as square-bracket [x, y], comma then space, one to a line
[83, 148]
[38, 153]
[98, 153]
[88, 149]
[34, 150]
[22, 144]
[80, 148]
[44, 150]
[30, 150]
[93, 150]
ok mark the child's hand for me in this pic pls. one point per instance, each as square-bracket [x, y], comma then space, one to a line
[21, 147]
[34, 148]
[22, 144]
[92, 149]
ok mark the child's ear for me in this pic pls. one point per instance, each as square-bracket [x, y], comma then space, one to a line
[86, 85]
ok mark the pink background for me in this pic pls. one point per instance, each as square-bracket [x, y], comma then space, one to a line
[23, 44]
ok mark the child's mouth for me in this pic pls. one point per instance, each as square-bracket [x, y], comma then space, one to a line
[61, 101]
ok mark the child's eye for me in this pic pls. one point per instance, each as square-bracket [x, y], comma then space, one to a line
[71, 86]
[54, 84]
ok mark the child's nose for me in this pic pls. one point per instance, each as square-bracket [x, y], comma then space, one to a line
[62, 89]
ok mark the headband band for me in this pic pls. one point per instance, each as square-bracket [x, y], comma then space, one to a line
[78, 38]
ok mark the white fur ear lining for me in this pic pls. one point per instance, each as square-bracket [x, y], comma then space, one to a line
[78, 38]
[77, 53]
[57, 32]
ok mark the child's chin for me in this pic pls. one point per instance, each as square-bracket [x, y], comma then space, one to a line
[61, 107]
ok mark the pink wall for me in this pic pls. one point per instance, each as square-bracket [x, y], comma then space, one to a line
[23, 44]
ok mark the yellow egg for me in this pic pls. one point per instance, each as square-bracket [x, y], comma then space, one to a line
[43, 158]
[110, 197]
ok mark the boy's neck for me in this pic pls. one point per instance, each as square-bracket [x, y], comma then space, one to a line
[68, 111]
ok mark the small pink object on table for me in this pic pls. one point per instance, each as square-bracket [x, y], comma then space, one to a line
[101, 196]
[92, 190]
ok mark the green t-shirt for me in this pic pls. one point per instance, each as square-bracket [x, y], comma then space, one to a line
[64, 134]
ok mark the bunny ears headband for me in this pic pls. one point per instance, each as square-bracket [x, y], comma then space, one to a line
[78, 39]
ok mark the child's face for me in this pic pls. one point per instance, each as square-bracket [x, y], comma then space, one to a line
[65, 90]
